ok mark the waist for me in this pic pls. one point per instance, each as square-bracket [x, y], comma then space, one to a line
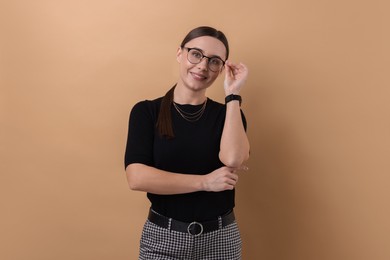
[194, 228]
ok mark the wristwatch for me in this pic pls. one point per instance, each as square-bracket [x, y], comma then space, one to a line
[232, 97]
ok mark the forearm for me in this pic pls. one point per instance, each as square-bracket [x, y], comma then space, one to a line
[234, 148]
[149, 179]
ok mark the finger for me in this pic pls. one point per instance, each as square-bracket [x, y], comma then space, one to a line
[232, 170]
[229, 70]
[231, 182]
[241, 168]
[234, 67]
[229, 187]
[233, 177]
[228, 63]
[239, 67]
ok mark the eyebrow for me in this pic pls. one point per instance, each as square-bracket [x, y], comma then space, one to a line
[212, 56]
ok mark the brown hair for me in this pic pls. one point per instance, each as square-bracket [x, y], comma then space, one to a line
[164, 120]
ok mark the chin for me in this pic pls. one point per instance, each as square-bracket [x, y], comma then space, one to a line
[198, 87]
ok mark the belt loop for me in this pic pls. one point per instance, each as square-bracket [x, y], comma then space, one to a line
[219, 222]
[169, 224]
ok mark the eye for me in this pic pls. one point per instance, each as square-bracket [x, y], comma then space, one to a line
[196, 54]
[216, 62]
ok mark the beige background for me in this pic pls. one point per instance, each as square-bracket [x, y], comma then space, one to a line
[317, 103]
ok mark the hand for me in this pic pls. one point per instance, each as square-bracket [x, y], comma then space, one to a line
[224, 178]
[235, 77]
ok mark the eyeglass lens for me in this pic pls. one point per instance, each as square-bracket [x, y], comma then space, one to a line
[195, 56]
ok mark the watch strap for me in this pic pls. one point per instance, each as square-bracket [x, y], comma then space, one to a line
[232, 97]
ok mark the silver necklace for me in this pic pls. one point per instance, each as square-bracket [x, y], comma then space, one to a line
[191, 117]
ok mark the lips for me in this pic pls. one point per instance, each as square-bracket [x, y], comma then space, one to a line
[198, 76]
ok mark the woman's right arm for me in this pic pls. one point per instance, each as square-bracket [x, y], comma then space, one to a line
[141, 177]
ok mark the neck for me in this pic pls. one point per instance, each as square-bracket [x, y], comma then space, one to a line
[186, 96]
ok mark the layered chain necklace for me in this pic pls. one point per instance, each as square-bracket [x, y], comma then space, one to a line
[191, 117]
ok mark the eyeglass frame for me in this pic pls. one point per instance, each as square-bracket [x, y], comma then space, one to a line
[204, 56]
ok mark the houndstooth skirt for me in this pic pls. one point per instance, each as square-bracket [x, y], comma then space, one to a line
[159, 243]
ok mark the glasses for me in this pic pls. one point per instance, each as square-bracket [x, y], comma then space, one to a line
[195, 56]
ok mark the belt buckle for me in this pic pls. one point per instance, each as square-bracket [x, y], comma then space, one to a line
[193, 224]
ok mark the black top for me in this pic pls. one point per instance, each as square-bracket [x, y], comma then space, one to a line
[194, 150]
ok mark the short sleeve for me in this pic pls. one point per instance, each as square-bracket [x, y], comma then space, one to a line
[140, 137]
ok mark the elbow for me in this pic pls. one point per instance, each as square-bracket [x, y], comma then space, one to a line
[132, 178]
[234, 161]
[132, 184]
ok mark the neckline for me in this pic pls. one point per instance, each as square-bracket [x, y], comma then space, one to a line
[190, 113]
[191, 105]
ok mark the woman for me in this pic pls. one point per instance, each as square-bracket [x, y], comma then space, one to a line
[185, 149]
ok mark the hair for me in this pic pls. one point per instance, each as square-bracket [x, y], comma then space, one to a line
[164, 120]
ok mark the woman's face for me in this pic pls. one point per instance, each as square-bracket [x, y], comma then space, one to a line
[198, 77]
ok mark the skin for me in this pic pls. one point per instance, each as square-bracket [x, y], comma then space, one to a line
[191, 89]
[196, 78]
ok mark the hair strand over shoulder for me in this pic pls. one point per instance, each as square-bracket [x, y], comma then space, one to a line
[164, 120]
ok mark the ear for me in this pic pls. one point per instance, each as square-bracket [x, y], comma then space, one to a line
[178, 54]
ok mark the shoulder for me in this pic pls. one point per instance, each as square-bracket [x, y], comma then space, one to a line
[147, 106]
[216, 106]
[219, 110]
[146, 110]
[215, 111]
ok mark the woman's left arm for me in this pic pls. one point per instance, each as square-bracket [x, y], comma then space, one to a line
[234, 148]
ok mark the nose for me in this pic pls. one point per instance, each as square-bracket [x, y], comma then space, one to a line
[203, 64]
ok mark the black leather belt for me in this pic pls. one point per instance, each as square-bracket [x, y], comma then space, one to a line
[194, 228]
